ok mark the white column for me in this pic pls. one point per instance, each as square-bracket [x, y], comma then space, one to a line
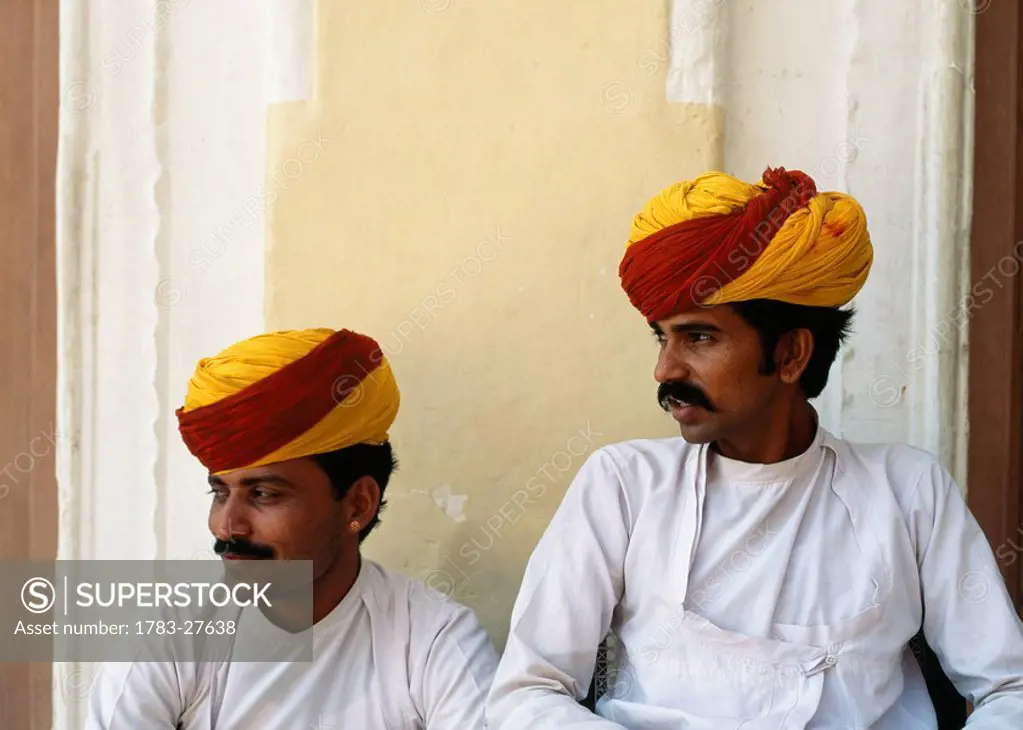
[291, 42]
[698, 38]
[161, 261]
[878, 104]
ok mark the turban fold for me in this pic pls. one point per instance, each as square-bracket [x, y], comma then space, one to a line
[716, 239]
[286, 395]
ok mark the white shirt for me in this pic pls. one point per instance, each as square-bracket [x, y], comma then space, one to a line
[763, 523]
[759, 596]
[392, 655]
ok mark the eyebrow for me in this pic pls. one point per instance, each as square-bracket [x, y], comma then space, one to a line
[686, 327]
[279, 481]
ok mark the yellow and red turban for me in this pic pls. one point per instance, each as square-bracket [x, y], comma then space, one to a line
[286, 395]
[716, 239]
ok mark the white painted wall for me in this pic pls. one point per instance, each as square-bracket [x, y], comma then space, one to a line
[163, 143]
[163, 138]
[873, 99]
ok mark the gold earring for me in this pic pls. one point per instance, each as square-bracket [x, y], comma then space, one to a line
[354, 526]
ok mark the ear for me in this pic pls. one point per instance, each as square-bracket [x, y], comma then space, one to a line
[362, 501]
[793, 355]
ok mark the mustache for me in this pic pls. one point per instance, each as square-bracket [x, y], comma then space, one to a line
[684, 392]
[243, 547]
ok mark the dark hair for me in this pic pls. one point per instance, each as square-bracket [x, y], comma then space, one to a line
[349, 464]
[830, 328]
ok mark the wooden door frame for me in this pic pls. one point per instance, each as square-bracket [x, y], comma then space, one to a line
[995, 493]
[29, 103]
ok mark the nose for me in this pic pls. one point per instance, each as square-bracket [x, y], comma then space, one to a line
[670, 366]
[229, 519]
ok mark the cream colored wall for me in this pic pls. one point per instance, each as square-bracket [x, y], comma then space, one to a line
[477, 170]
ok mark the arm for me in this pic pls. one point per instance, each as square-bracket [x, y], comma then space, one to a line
[969, 619]
[135, 695]
[457, 674]
[572, 584]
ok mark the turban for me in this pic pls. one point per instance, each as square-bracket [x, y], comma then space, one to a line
[286, 395]
[716, 239]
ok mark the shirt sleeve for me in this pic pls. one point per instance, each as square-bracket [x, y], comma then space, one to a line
[457, 674]
[134, 695]
[969, 619]
[572, 584]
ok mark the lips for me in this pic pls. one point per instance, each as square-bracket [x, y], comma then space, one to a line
[680, 405]
[673, 395]
[685, 413]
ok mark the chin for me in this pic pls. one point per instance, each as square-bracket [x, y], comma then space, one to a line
[698, 434]
[699, 427]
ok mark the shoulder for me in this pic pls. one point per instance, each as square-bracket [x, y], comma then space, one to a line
[637, 456]
[428, 609]
[641, 465]
[915, 477]
[449, 660]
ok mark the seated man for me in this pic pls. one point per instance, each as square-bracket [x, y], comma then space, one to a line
[293, 428]
[758, 572]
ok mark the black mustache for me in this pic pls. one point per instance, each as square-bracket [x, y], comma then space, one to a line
[684, 392]
[242, 547]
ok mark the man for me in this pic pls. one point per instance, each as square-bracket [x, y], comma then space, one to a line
[758, 572]
[293, 428]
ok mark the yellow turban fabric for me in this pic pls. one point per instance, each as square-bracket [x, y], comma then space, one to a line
[287, 395]
[716, 239]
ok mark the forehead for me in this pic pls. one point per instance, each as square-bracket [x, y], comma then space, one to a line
[721, 317]
[296, 473]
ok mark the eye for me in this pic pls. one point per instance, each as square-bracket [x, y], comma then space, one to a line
[700, 337]
[660, 338]
[219, 495]
[263, 495]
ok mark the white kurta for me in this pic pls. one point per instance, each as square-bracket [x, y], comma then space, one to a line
[393, 655]
[759, 596]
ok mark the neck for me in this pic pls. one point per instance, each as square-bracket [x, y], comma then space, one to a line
[331, 587]
[328, 591]
[784, 433]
